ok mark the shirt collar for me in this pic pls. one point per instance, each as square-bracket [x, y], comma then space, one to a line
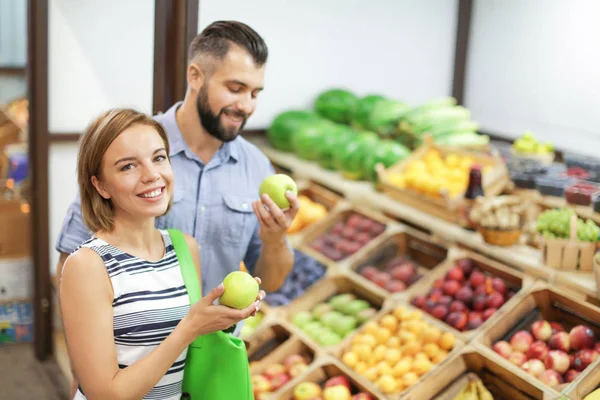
[177, 143]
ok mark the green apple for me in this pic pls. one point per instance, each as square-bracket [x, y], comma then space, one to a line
[318, 332]
[321, 309]
[307, 391]
[301, 318]
[355, 306]
[241, 290]
[329, 338]
[311, 327]
[275, 186]
[329, 319]
[365, 315]
[339, 300]
[254, 321]
[344, 325]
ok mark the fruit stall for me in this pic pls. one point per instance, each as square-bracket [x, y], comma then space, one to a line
[408, 284]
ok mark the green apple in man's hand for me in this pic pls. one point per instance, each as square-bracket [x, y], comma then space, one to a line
[276, 186]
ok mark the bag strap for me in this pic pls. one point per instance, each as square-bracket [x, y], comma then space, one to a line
[188, 269]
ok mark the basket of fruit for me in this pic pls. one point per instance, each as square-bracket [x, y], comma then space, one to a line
[528, 147]
[550, 335]
[434, 178]
[567, 241]
[398, 349]
[499, 219]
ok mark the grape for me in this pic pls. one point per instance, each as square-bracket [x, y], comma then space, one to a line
[556, 223]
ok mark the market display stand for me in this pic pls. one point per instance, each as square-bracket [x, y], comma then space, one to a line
[524, 258]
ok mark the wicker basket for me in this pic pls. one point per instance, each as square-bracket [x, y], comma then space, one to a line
[500, 237]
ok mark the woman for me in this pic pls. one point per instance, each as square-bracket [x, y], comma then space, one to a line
[126, 312]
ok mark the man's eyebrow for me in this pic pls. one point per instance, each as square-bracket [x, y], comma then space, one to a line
[238, 82]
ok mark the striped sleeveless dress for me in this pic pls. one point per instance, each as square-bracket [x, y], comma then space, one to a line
[149, 301]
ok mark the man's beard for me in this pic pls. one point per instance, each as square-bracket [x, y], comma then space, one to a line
[213, 124]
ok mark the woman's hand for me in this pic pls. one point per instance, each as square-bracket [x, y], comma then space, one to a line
[205, 317]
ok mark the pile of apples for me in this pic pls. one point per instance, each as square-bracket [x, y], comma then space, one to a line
[335, 388]
[310, 212]
[396, 351]
[466, 297]
[395, 275]
[330, 322]
[550, 353]
[276, 375]
[347, 237]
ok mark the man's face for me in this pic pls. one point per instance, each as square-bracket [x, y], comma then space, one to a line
[228, 97]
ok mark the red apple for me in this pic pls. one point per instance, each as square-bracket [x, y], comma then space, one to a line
[297, 369]
[457, 305]
[403, 272]
[465, 294]
[551, 378]
[560, 341]
[451, 287]
[273, 370]
[584, 358]
[369, 272]
[436, 295]
[487, 314]
[509, 295]
[517, 358]
[542, 330]
[429, 305]
[481, 290]
[362, 238]
[376, 229]
[534, 367]
[494, 300]
[260, 384]
[419, 301]
[499, 286]
[292, 360]
[397, 260]
[557, 360]
[597, 347]
[338, 380]
[479, 303]
[445, 300]
[439, 311]
[556, 327]
[521, 341]
[457, 319]
[279, 380]
[503, 348]
[395, 286]
[537, 350]
[338, 228]
[466, 265]
[571, 375]
[477, 279]
[582, 337]
[455, 274]
[381, 279]
[474, 321]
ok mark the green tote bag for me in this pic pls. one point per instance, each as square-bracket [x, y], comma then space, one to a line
[216, 366]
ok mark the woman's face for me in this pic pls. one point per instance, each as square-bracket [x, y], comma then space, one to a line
[136, 174]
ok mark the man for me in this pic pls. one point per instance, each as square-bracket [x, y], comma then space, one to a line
[217, 172]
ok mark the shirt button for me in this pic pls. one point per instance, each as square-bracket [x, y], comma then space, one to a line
[202, 208]
[245, 205]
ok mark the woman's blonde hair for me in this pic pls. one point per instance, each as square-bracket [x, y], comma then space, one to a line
[98, 212]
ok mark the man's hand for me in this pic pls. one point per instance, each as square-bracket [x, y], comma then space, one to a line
[273, 221]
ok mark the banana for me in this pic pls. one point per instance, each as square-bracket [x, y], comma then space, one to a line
[483, 392]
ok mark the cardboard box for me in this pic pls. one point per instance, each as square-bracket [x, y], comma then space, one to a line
[15, 239]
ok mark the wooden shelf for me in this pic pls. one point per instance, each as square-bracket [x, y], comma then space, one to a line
[521, 257]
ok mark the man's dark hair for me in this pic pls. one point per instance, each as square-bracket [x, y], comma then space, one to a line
[216, 39]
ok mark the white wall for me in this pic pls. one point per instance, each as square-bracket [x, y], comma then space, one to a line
[101, 55]
[13, 33]
[402, 48]
[534, 65]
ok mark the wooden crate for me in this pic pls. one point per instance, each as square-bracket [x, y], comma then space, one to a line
[324, 369]
[389, 309]
[316, 193]
[340, 213]
[265, 339]
[415, 246]
[597, 274]
[321, 292]
[446, 382]
[515, 280]
[444, 206]
[276, 357]
[543, 302]
[568, 254]
[589, 382]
